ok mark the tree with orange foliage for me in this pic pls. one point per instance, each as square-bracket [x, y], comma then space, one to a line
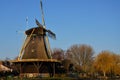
[104, 62]
[116, 64]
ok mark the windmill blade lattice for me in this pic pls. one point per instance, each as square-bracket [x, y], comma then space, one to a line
[51, 34]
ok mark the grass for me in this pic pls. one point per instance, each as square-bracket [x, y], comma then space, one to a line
[34, 78]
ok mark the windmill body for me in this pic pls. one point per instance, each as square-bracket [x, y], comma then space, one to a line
[36, 46]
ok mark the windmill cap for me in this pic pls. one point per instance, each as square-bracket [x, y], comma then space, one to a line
[36, 30]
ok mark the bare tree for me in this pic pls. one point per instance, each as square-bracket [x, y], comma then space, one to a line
[58, 54]
[81, 55]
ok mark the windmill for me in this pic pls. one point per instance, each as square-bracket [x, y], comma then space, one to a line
[36, 45]
[35, 55]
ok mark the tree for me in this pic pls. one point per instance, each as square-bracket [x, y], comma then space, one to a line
[81, 55]
[104, 62]
[58, 54]
[116, 64]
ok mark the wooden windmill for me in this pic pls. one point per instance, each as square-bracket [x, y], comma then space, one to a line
[35, 55]
[36, 45]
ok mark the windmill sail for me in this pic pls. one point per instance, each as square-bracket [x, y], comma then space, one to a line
[46, 38]
[37, 22]
[51, 34]
[41, 7]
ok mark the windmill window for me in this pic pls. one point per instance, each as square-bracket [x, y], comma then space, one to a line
[32, 50]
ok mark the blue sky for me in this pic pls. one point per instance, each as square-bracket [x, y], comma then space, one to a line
[92, 22]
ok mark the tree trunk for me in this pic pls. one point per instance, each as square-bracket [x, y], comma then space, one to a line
[104, 73]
